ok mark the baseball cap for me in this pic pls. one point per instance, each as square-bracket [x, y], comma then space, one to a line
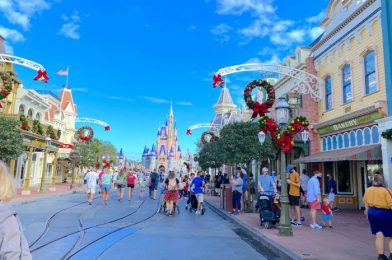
[290, 167]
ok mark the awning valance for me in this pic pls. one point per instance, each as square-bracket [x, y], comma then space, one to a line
[360, 153]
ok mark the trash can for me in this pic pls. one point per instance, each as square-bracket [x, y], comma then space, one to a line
[226, 198]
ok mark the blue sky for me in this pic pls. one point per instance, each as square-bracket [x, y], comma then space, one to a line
[129, 58]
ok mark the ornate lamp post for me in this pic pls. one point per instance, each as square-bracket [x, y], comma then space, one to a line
[48, 141]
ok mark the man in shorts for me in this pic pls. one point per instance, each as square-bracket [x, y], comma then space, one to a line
[198, 184]
[91, 180]
[294, 195]
[314, 198]
[153, 182]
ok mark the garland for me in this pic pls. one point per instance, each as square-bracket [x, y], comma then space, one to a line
[212, 139]
[50, 132]
[82, 136]
[58, 134]
[263, 108]
[24, 123]
[7, 85]
[387, 134]
[37, 127]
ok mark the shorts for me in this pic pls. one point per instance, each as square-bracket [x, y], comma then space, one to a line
[120, 186]
[294, 200]
[380, 221]
[131, 186]
[326, 217]
[105, 187]
[331, 197]
[200, 197]
[91, 190]
[315, 205]
[154, 186]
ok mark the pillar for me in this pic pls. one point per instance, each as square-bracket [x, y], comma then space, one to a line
[53, 176]
[26, 183]
[386, 149]
[43, 176]
[12, 168]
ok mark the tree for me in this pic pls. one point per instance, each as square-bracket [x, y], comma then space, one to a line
[11, 139]
[210, 155]
[239, 144]
[92, 152]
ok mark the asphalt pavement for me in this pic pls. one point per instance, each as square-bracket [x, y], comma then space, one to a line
[66, 227]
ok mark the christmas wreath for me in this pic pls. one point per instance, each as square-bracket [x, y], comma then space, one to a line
[263, 108]
[24, 125]
[7, 85]
[85, 133]
[212, 135]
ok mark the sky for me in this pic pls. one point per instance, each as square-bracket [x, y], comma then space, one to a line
[129, 58]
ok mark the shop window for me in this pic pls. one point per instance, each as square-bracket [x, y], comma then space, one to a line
[352, 139]
[344, 181]
[370, 72]
[359, 137]
[328, 169]
[346, 140]
[324, 144]
[375, 135]
[334, 142]
[367, 136]
[328, 93]
[347, 89]
[329, 143]
[340, 141]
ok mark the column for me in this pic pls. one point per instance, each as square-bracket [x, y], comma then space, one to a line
[54, 172]
[26, 183]
[43, 176]
[12, 168]
[386, 149]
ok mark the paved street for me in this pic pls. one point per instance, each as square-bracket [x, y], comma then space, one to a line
[129, 230]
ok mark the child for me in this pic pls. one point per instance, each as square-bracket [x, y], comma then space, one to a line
[142, 183]
[326, 213]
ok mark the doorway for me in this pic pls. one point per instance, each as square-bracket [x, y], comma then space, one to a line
[362, 183]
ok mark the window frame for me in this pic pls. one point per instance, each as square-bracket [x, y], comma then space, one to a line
[350, 84]
[327, 94]
[367, 74]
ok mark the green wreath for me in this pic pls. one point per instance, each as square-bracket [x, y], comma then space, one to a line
[212, 139]
[263, 108]
[82, 136]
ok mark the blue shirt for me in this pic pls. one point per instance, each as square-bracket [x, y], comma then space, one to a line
[237, 187]
[198, 185]
[267, 183]
[313, 189]
[331, 184]
[244, 184]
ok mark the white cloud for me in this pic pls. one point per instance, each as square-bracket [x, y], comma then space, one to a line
[154, 100]
[70, 28]
[11, 35]
[274, 60]
[257, 29]
[253, 60]
[8, 48]
[185, 103]
[238, 7]
[317, 18]
[20, 12]
[221, 32]
[296, 35]
[315, 32]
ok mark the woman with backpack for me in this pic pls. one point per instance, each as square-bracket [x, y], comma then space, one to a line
[171, 194]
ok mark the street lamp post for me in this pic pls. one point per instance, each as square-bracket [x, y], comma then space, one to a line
[42, 185]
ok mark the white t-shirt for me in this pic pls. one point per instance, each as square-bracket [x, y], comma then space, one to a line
[91, 179]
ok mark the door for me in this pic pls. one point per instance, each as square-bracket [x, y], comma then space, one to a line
[362, 183]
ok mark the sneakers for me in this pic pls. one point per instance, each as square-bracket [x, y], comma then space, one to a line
[297, 225]
[382, 257]
[315, 226]
[302, 218]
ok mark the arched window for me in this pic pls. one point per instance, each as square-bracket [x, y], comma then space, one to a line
[324, 144]
[340, 141]
[352, 139]
[370, 72]
[38, 116]
[367, 135]
[329, 143]
[21, 110]
[30, 114]
[328, 93]
[346, 140]
[375, 135]
[334, 142]
[347, 90]
[359, 137]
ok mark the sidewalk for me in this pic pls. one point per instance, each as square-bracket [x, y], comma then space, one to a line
[350, 237]
[61, 189]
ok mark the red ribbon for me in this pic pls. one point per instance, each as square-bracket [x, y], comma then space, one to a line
[107, 128]
[42, 75]
[188, 131]
[260, 109]
[217, 80]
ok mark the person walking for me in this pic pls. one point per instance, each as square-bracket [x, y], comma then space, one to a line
[294, 195]
[114, 178]
[121, 180]
[91, 180]
[378, 208]
[142, 184]
[13, 244]
[331, 188]
[236, 187]
[198, 185]
[218, 183]
[131, 182]
[106, 182]
[153, 184]
[171, 195]
[304, 178]
[314, 198]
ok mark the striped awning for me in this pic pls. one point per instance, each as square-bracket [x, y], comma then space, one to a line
[360, 153]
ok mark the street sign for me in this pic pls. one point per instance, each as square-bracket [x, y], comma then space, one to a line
[74, 156]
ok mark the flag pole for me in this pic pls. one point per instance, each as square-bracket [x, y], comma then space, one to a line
[66, 82]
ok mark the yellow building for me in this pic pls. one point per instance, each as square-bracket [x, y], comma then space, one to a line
[349, 59]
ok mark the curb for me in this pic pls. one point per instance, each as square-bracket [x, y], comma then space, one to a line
[32, 200]
[276, 248]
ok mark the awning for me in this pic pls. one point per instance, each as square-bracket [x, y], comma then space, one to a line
[360, 153]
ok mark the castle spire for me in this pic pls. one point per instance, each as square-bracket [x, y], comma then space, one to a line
[171, 108]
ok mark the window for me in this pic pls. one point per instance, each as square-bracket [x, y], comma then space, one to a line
[21, 110]
[340, 141]
[367, 136]
[352, 139]
[329, 143]
[370, 72]
[375, 135]
[346, 140]
[334, 142]
[328, 169]
[38, 116]
[347, 91]
[328, 93]
[30, 114]
[324, 144]
[344, 177]
[359, 137]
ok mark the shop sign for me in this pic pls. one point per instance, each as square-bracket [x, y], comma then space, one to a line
[350, 123]
[66, 146]
[39, 143]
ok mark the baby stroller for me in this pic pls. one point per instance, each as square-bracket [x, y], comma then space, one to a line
[192, 202]
[269, 210]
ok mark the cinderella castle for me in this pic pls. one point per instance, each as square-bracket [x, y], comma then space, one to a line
[166, 151]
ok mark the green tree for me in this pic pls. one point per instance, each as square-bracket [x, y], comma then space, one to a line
[92, 152]
[210, 155]
[11, 139]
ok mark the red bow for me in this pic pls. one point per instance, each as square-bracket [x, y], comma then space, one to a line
[107, 128]
[217, 81]
[188, 131]
[106, 164]
[42, 75]
[285, 142]
[260, 109]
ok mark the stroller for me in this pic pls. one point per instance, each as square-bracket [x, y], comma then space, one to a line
[269, 210]
[192, 202]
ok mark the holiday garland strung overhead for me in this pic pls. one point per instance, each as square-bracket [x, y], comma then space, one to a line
[212, 135]
[283, 138]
